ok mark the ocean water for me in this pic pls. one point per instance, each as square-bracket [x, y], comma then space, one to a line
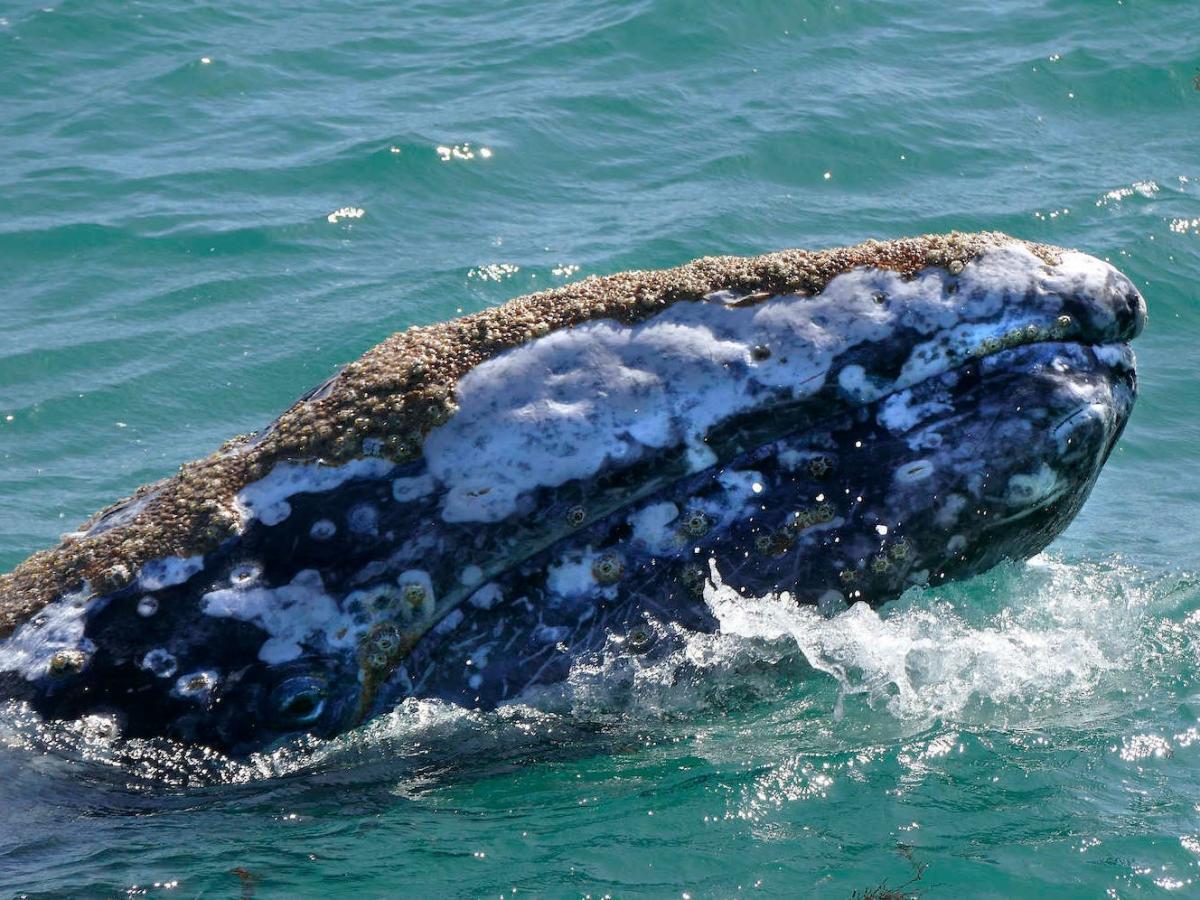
[205, 210]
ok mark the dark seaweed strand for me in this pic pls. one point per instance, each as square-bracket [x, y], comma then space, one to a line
[400, 389]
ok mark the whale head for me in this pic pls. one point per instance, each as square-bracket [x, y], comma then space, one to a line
[471, 508]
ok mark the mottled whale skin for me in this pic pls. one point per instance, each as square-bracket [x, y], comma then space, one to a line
[473, 508]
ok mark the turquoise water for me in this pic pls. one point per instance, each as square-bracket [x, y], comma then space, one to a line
[170, 276]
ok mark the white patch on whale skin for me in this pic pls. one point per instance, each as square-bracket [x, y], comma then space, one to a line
[159, 662]
[290, 614]
[914, 472]
[487, 596]
[651, 526]
[699, 456]
[898, 414]
[168, 572]
[1115, 355]
[570, 404]
[406, 489]
[57, 626]
[572, 576]
[267, 498]
[1033, 489]
[950, 510]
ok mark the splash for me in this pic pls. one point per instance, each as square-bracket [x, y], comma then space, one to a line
[1018, 641]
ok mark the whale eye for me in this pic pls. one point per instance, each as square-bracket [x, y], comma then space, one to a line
[298, 701]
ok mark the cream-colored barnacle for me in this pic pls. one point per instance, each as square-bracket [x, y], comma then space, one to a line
[66, 662]
[608, 569]
[414, 594]
[440, 413]
[955, 266]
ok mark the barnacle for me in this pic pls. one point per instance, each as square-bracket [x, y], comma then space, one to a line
[819, 466]
[608, 569]
[576, 516]
[639, 640]
[66, 662]
[415, 594]
[695, 523]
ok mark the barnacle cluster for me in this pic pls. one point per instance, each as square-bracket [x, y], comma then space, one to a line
[809, 516]
[1022, 336]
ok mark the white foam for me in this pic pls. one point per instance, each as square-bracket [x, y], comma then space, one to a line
[928, 660]
[266, 499]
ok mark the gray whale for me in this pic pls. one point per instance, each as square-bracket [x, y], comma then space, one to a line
[472, 508]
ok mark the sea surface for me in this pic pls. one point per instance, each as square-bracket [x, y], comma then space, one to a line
[206, 208]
